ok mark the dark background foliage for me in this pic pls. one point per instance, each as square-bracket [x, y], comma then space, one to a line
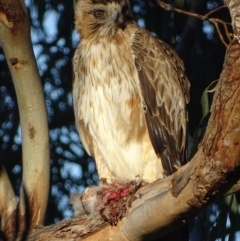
[54, 40]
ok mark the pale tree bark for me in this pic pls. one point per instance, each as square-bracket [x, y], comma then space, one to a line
[16, 43]
[8, 203]
[167, 204]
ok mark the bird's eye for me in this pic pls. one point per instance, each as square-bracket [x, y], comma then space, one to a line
[98, 13]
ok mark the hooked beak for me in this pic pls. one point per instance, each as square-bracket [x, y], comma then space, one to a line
[119, 20]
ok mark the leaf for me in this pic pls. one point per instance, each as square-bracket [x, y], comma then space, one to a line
[179, 3]
[205, 102]
[197, 137]
[227, 221]
[219, 227]
[234, 215]
[205, 98]
[232, 202]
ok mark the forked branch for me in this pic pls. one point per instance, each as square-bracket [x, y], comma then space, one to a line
[217, 22]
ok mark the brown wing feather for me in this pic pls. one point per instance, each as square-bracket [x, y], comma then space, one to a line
[164, 88]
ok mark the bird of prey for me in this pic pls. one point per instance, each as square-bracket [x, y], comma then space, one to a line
[129, 93]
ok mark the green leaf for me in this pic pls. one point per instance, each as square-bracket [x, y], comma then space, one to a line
[179, 3]
[205, 102]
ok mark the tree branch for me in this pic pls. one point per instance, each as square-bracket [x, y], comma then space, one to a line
[8, 202]
[15, 39]
[215, 21]
[141, 222]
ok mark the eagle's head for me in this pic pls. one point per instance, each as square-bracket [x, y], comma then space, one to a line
[102, 17]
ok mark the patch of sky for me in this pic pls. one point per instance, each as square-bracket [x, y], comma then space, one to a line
[95, 177]
[63, 202]
[28, 2]
[141, 4]
[37, 49]
[141, 23]
[91, 167]
[74, 136]
[61, 62]
[69, 99]
[212, 218]
[77, 189]
[237, 236]
[62, 106]
[69, 155]
[61, 42]
[57, 220]
[56, 93]
[215, 209]
[36, 35]
[53, 49]
[60, 7]
[2, 57]
[208, 29]
[64, 139]
[59, 150]
[54, 170]
[75, 38]
[50, 21]
[68, 184]
[136, 9]
[59, 185]
[15, 147]
[6, 138]
[50, 111]
[42, 63]
[64, 130]
[17, 169]
[228, 223]
[18, 136]
[90, 182]
[78, 151]
[7, 125]
[3, 89]
[212, 5]
[71, 170]
[178, 38]
[48, 87]
[67, 213]
[54, 190]
[33, 11]
[8, 101]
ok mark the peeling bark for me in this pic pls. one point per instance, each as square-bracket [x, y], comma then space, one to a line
[8, 202]
[221, 143]
[141, 222]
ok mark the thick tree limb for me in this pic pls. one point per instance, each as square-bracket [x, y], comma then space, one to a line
[153, 214]
[15, 39]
